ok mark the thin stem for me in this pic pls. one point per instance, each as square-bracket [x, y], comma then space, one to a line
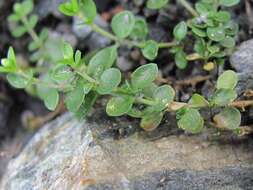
[145, 101]
[31, 31]
[167, 44]
[103, 32]
[188, 7]
[86, 77]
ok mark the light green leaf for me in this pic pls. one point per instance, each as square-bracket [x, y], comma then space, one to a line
[33, 20]
[151, 122]
[228, 42]
[123, 24]
[180, 59]
[144, 76]
[18, 31]
[223, 97]
[216, 34]
[140, 30]
[228, 80]
[150, 49]
[191, 121]
[229, 118]
[109, 80]
[198, 101]
[61, 73]
[19, 81]
[163, 96]
[180, 31]
[156, 4]
[51, 100]
[118, 106]
[75, 98]
[229, 3]
[103, 60]
[89, 10]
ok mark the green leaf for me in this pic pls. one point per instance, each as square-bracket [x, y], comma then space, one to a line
[123, 24]
[163, 96]
[229, 118]
[180, 31]
[51, 100]
[109, 80]
[33, 20]
[85, 108]
[140, 30]
[216, 34]
[13, 18]
[75, 98]
[149, 90]
[198, 32]
[150, 49]
[229, 3]
[228, 42]
[222, 16]
[198, 101]
[118, 106]
[191, 121]
[69, 8]
[223, 97]
[61, 73]
[144, 76]
[89, 10]
[103, 60]
[19, 81]
[180, 59]
[18, 31]
[27, 7]
[228, 80]
[68, 52]
[156, 4]
[151, 122]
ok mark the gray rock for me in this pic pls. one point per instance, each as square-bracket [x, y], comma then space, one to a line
[92, 39]
[67, 154]
[242, 59]
[45, 7]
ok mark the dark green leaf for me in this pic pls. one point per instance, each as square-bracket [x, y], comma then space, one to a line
[140, 30]
[180, 59]
[163, 96]
[216, 34]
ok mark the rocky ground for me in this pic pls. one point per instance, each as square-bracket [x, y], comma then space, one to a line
[105, 153]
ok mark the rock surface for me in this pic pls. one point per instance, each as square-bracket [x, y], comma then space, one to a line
[67, 154]
[242, 61]
[242, 58]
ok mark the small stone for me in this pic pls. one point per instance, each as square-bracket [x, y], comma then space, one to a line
[124, 64]
[242, 59]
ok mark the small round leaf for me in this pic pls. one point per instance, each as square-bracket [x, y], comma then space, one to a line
[123, 24]
[228, 80]
[144, 75]
[118, 106]
[150, 50]
[180, 31]
[229, 118]
[191, 121]
[109, 80]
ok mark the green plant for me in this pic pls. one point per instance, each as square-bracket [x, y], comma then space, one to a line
[81, 80]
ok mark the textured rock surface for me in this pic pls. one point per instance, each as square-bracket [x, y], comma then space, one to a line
[242, 59]
[67, 154]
